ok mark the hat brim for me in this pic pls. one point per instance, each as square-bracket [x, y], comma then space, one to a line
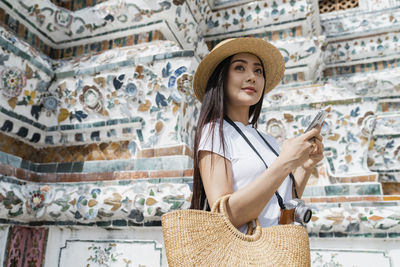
[271, 58]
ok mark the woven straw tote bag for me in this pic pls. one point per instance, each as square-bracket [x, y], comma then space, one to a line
[202, 238]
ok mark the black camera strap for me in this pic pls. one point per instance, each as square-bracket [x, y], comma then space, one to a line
[280, 200]
[290, 174]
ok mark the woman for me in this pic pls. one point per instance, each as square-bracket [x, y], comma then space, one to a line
[231, 82]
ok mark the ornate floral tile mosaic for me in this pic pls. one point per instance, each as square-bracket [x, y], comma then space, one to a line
[129, 22]
[106, 106]
[115, 82]
[105, 203]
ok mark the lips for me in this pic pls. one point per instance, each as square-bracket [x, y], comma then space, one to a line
[249, 89]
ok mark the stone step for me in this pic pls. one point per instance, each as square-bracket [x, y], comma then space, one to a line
[344, 189]
[341, 199]
[378, 219]
[94, 176]
[142, 168]
[175, 162]
[373, 177]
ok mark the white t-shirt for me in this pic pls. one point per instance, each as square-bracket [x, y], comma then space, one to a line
[246, 165]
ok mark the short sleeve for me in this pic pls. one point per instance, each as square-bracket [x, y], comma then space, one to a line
[211, 141]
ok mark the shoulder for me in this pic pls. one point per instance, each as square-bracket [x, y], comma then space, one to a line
[212, 139]
[213, 129]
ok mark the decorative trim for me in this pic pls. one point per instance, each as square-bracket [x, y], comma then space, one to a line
[362, 68]
[74, 5]
[356, 23]
[84, 172]
[79, 50]
[106, 203]
[352, 218]
[338, 251]
[162, 160]
[96, 47]
[344, 189]
[283, 34]
[159, 249]
[28, 249]
[125, 63]
[382, 47]
[258, 29]
[256, 16]
[27, 155]
[18, 52]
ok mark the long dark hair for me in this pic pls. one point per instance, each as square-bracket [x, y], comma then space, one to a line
[212, 111]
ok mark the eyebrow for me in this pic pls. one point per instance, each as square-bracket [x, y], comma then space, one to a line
[244, 61]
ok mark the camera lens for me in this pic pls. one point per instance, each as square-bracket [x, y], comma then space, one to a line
[307, 216]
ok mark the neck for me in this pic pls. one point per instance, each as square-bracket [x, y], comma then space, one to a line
[239, 114]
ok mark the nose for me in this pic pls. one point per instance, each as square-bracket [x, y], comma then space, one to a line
[251, 77]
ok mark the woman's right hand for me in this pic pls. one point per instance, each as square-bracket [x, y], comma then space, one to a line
[295, 151]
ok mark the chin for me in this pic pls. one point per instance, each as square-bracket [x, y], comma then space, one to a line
[248, 103]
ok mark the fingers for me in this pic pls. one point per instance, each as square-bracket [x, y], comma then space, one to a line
[319, 138]
[318, 147]
[315, 141]
[314, 148]
[312, 133]
[311, 146]
[321, 148]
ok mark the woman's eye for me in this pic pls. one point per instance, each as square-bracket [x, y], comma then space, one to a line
[259, 71]
[239, 67]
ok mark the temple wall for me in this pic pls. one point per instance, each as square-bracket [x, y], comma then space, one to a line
[97, 119]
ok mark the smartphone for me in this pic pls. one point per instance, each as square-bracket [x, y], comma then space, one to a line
[318, 120]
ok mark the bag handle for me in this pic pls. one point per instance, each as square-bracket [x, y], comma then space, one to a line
[253, 233]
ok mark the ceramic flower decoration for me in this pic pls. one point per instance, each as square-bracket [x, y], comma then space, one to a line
[12, 82]
[63, 18]
[92, 99]
[185, 84]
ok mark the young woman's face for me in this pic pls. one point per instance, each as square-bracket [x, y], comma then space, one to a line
[245, 80]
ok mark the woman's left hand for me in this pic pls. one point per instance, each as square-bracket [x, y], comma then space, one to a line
[316, 155]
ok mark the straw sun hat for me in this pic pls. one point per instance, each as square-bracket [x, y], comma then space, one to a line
[271, 58]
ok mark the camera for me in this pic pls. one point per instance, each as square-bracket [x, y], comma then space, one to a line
[295, 212]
